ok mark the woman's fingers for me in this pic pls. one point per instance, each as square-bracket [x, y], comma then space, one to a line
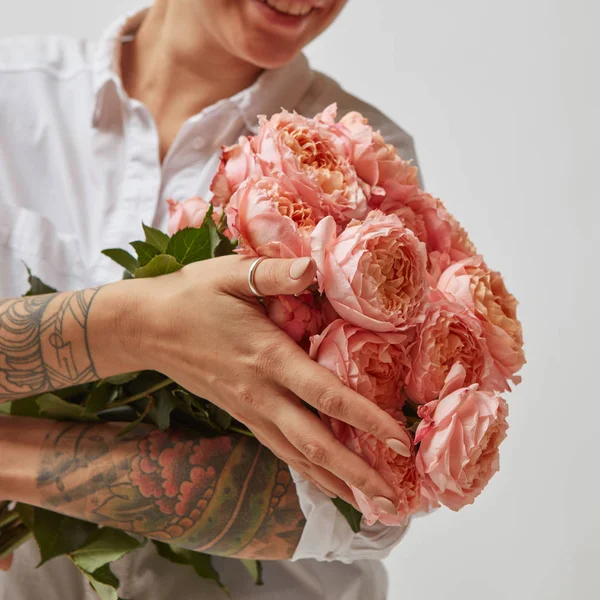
[329, 484]
[272, 276]
[307, 433]
[322, 389]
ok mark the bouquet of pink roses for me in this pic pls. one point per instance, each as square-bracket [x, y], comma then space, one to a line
[406, 312]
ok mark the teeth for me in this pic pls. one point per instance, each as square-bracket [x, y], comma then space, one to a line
[290, 7]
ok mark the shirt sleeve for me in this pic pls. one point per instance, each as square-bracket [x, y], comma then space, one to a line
[327, 535]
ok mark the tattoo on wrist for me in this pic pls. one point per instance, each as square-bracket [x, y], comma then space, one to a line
[226, 495]
[43, 343]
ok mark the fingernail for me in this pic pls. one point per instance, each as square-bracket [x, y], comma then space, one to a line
[298, 267]
[398, 446]
[385, 505]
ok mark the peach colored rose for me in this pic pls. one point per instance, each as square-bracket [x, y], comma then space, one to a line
[299, 316]
[458, 441]
[450, 334]
[269, 219]
[373, 364]
[238, 163]
[316, 158]
[376, 162]
[189, 213]
[399, 471]
[483, 292]
[423, 215]
[374, 274]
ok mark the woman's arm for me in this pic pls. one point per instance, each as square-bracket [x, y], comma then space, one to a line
[45, 340]
[227, 495]
[202, 327]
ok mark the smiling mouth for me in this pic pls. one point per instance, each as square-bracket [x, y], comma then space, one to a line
[289, 7]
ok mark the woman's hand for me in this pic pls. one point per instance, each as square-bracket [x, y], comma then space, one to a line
[203, 328]
[5, 563]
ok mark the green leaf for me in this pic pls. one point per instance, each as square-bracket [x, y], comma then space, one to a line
[255, 569]
[98, 400]
[164, 404]
[145, 251]
[26, 513]
[36, 286]
[156, 238]
[122, 258]
[122, 379]
[191, 244]
[105, 546]
[201, 563]
[225, 247]
[131, 426]
[25, 407]
[162, 264]
[53, 407]
[348, 511]
[5, 408]
[58, 534]
[104, 582]
[218, 416]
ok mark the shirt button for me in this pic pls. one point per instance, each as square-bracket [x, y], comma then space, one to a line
[330, 556]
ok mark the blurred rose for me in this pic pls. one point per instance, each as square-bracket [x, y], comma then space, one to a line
[238, 163]
[483, 292]
[299, 316]
[316, 158]
[458, 441]
[269, 219]
[450, 334]
[374, 274]
[373, 364]
[376, 162]
[189, 213]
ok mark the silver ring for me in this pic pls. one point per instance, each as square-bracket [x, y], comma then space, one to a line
[251, 274]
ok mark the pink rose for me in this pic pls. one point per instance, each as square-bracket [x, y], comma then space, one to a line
[238, 163]
[483, 292]
[374, 274]
[376, 162]
[421, 213]
[269, 219]
[373, 364]
[458, 441]
[450, 334]
[189, 213]
[299, 316]
[399, 471]
[316, 158]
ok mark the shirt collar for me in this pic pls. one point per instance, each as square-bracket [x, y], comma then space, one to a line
[274, 89]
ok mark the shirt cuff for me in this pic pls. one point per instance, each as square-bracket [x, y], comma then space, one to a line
[327, 535]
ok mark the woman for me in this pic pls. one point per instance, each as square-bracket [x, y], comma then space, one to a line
[94, 141]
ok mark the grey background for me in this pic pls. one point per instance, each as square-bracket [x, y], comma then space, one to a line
[502, 98]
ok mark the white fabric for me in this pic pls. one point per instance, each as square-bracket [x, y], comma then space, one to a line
[80, 172]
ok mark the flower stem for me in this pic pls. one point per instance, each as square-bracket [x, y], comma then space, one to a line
[144, 394]
[17, 536]
[241, 431]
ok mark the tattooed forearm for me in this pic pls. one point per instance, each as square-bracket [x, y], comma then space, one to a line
[226, 495]
[43, 343]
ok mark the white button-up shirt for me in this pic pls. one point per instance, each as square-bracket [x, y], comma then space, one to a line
[80, 172]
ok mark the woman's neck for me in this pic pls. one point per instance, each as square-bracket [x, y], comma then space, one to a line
[176, 68]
